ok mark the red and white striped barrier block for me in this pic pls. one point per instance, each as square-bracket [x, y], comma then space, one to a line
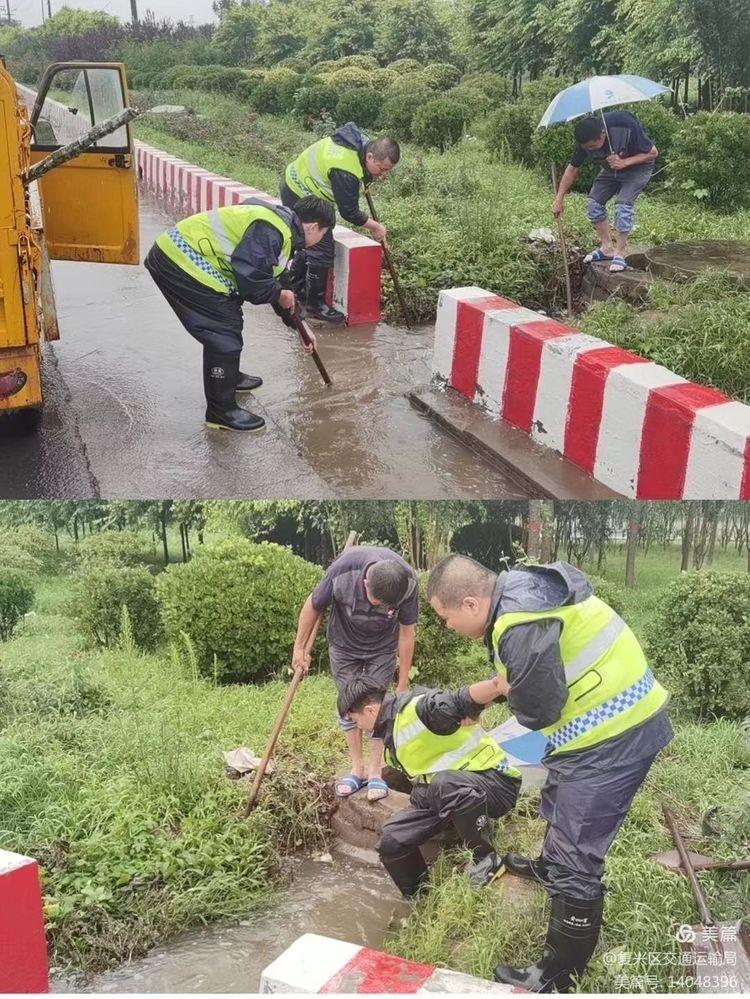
[23, 947]
[315, 964]
[355, 287]
[631, 424]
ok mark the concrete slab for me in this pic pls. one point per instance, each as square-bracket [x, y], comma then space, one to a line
[538, 470]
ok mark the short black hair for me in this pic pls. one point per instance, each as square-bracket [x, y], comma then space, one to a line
[357, 694]
[588, 129]
[318, 210]
[384, 149]
[389, 581]
[457, 577]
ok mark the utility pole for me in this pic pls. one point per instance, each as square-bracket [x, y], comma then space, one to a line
[42, 11]
[134, 11]
[49, 8]
[7, 4]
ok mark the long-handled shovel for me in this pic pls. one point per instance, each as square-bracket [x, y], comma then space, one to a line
[304, 333]
[278, 725]
[720, 950]
[563, 248]
[391, 268]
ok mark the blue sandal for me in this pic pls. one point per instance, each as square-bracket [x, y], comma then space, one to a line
[596, 257]
[618, 265]
[351, 781]
[377, 784]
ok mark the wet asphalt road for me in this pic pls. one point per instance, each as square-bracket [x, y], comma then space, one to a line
[123, 415]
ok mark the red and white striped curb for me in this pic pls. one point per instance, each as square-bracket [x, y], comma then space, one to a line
[355, 288]
[631, 424]
[23, 947]
[315, 964]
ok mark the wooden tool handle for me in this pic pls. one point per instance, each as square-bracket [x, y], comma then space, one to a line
[278, 725]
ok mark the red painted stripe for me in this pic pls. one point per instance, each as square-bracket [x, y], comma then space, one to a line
[590, 373]
[467, 346]
[745, 487]
[222, 195]
[527, 342]
[363, 287]
[667, 432]
[23, 947]
[371, 971]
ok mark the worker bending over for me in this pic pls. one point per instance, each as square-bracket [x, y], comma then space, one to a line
[337, 169]
[578, 674]
[210, 263]
[621, 145]
[461, 776]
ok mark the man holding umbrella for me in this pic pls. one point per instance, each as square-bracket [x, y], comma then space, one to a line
[619, 143]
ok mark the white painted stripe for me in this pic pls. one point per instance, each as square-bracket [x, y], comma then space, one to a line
[445, 327]
[455, 983]
[307, 965]
[13, 861]
[493, 358]
[553, 388]
[341, 273]
[625, 397]
[717, 452]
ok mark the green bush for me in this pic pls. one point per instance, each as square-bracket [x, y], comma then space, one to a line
[112, 547]
[275, 93]
[15, 559]
[699, 644]
[437, 648]
[662, 125]
[239, 602]
[35, 542]
[399, 108]
[492, 85]
[310, 101]
[439, 124]
[101, 591]
[609, 592]
[359, 61]
[510, 133]
[16, 599]
[350, 78]
[475, 102]
[248, 83]
[361, 105]
[555, 145]
[404, 67]
[710, 159]
[438, 76]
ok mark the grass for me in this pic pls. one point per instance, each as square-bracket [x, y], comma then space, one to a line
[454, 218]
[112, 775]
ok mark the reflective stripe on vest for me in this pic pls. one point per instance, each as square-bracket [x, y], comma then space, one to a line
[309, 174]
[421, 753]
[610, 687]
[202, 245]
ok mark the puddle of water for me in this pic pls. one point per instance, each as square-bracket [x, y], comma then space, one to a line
[344, 900]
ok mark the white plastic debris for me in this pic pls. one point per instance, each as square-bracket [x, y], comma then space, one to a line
[243, 761]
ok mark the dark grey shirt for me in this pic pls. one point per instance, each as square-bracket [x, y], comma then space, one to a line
[355, 626]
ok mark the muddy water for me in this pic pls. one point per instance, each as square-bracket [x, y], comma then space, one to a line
[345, 900]
[125, 409]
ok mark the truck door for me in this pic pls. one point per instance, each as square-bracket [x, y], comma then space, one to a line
[89, 204]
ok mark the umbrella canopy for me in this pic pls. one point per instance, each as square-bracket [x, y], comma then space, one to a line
[599, 92]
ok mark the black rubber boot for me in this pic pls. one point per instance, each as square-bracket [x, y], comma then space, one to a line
[524, 867]
[220, 376]
[408, 871]
[572, 935]
[317, 283]
[474, 828]
[248, 383]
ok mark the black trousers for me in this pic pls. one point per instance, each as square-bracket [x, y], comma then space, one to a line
[585, 811]
[214, 319]
[435, 804]
[323, 252]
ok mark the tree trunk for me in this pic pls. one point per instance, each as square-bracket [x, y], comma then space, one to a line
[687, 84]
[687, 537]
[547, 510]
[164, 533]
[534, 530]
[634, 527]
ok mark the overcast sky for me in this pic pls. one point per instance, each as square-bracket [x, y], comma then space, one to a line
[29, 12]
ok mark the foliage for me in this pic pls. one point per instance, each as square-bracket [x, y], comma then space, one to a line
[439, 124]
[404, 67]
[510, 132]
[16, 599]
[360, 105]
[100, 592]
[113, 547]
[437, 648]
[699, 642]
[15, 558]
[275, 93]
[310, 101]
[402, 102]
[438, 76]
[608, 592]
[711, 159]
[35, 541]
[239, 602]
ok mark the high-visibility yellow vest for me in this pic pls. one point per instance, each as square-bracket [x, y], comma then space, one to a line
[610, 686]
[202, 245]
[418, 752]
[310, 172]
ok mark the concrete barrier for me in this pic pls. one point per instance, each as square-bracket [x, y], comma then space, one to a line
[355, 288]
[629, 423]
[23, 947]
[316, 964]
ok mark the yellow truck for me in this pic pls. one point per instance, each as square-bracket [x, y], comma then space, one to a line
[67, 192]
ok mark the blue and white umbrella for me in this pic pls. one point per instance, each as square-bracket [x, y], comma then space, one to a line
[598, 92]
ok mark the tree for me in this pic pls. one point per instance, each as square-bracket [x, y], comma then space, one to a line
[410, 29]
